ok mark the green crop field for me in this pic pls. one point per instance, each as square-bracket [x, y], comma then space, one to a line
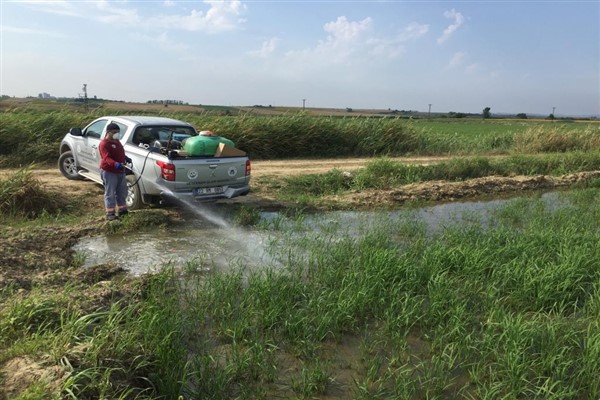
[30, 132]
[506, 307]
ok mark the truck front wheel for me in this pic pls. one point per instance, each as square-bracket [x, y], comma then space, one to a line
[134, 197]
[67, 166]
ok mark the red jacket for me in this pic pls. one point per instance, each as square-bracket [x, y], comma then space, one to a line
[111, 152]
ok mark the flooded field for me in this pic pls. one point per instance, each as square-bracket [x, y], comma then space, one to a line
[466, 300]
[209, 238]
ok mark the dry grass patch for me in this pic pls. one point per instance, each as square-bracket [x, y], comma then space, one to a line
[21, 194]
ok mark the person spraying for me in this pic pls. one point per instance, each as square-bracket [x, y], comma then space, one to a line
[112, 171]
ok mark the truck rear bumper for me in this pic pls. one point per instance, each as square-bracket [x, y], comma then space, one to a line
[188, 197]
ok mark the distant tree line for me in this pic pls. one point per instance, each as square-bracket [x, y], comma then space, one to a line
[177, 102]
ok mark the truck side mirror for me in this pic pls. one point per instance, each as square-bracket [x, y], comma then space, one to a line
[76, 132]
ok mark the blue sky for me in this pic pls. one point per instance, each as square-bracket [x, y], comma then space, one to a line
[462, 56]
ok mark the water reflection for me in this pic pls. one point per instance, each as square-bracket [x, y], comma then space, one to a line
[434, 219]
[147, 251]
[223, 246]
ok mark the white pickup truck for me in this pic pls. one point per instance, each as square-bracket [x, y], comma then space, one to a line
[160, 169]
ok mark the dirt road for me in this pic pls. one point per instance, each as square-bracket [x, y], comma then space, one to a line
[427, 191]
[52, 176]
[53, 180]
[300, 167]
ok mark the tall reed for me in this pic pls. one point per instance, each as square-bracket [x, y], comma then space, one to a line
[30, 135]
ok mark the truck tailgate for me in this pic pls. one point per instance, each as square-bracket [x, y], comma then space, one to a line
[206, 176]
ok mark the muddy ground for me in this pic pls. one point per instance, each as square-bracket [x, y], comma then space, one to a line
[28, 256]
[41, 256]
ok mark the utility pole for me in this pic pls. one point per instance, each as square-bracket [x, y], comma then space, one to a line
[85, 98]
[303, 103]
[429, 112]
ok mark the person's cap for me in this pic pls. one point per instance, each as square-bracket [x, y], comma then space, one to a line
[112, 127]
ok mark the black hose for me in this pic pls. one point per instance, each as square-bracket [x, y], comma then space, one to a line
[143, 167]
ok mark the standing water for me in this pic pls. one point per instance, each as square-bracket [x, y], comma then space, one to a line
[208, 238]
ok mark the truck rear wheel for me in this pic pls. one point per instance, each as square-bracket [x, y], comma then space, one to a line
[67, 166]
[134, 197]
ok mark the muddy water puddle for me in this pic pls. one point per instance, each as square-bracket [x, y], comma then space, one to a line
[215, 243]
[213, 247]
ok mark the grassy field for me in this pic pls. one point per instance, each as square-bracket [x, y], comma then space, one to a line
[32, 133]
[384, 173]
[505, 309]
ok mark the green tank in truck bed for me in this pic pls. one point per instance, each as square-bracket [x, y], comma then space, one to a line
[202, 145]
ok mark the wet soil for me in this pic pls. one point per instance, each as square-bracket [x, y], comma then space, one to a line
[34, 255]
[41, 256]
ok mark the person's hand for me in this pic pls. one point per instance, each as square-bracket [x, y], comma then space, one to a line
[119, 166]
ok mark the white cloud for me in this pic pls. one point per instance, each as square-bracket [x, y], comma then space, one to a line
[28, 31]
[342, 30]
[117, 15]
[58, 7]
[472, 68]
[394, 47]
[344, 39]
[413, 31]
[268, 47]
[349, 44]
[221, 16]
[386, 48]
[459, 19]
[460, 61]
[457, 60]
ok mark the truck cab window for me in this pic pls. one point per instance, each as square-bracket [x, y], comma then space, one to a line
[95, 129]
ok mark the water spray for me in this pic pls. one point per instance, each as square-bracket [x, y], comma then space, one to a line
[198, 209]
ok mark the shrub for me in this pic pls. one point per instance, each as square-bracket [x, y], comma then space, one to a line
[21, 194]
[542, 139]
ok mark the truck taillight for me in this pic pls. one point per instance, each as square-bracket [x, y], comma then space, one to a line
[167, 170]
[248, 168]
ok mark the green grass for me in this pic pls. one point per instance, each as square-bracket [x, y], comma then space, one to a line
[106, 351]
[498, 136]
[493, 308]
[509, 310]
[505, 310]
[30, 135]
[384, 173]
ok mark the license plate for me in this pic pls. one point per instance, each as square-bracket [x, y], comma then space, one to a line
[210, 190]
